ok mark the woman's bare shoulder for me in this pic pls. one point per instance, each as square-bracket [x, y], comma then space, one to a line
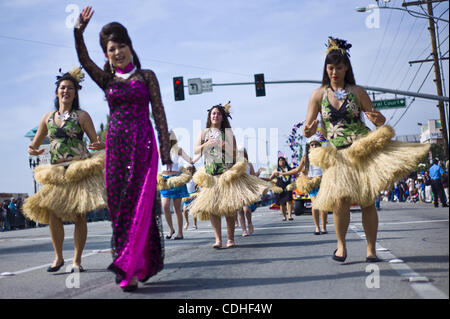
[318, 93]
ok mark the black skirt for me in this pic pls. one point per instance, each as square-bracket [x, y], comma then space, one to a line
[285, 196]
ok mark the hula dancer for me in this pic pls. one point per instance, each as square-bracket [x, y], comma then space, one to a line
[73, 184]
[172, 185]
[283, 192]
[192, 191]
[359, 163]
[246, 211]
[308, 181]
[225, 185]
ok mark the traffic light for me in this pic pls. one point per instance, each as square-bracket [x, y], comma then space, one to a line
[260, 85]
[178, 88]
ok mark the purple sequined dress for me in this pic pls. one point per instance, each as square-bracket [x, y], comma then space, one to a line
[131, 168]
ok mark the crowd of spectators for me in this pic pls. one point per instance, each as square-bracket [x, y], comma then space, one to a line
[429, 186]
[11, 216]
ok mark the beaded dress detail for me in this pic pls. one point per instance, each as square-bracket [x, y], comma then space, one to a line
[131, 168]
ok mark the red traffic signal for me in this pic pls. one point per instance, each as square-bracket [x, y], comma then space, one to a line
[178, 88]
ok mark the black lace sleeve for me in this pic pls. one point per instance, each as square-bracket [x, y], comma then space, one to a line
[98, 75]
[159, 115]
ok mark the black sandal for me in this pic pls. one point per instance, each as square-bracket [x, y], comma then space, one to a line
[77, 269]
[337, 258]
[168, 237]
[56, 268]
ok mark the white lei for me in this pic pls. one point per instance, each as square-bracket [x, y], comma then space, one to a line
[126, 75]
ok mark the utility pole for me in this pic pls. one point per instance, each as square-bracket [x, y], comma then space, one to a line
[438, 78]
[437, 71]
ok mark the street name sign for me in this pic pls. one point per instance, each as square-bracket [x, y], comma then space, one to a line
[207, 85]
[389, 104]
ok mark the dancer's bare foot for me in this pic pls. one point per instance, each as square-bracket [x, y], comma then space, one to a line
[251, 229]
[230, 243]
[217, 245]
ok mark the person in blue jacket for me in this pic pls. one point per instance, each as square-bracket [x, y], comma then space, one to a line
[436, 172]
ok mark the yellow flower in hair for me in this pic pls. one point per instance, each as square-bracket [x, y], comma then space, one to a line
[227, 107]
[338, 45]
[77, 74]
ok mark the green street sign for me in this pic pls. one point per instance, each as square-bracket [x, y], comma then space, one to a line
[389, 104]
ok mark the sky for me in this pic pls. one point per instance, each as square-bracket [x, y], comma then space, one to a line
[226, 41]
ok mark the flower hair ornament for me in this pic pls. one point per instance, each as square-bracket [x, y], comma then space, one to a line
[226, 108]
[335, 44]
[75, 73]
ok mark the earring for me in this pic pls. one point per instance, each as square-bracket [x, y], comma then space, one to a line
[111, 66]
[132, 59]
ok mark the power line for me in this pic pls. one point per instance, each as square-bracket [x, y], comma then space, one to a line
[414, 78]
[402, 49]
[145, 59]
[426, 77]
[36, 42]
[420, 34]
[390, 49]
[379, 48]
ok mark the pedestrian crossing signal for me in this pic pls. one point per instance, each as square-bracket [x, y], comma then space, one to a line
[260, 86]
[178, 88]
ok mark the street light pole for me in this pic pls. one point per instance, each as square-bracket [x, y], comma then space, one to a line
[33, 164]
[422, 15]
[369, 88]
[438, 79]
[440, 96]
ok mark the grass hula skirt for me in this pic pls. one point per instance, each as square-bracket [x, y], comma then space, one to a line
[358, 173]
[175, 181]
[190, 198]
[225, 194]
[306, 184]
[68, 189]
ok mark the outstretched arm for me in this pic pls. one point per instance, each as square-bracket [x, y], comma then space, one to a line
[186, 157]
[196, 158]
[98, 75]
[33, 148]
[88, 127]
[311, 122]
[160, 117]
[296, 170]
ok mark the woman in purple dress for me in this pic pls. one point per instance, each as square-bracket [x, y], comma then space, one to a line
[131, 152]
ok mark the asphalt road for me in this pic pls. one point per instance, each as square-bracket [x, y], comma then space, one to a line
[282, 260]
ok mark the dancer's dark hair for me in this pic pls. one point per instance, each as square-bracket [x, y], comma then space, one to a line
[116, 32]
[286, 165]
[338, 53]
[225, 123]
[77, 86]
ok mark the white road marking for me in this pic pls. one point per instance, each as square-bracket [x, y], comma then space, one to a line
[410, 222]
[18, 272]
[420, 284]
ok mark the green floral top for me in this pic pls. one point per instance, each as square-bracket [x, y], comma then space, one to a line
[342, 126]
[216, 162]
[66, 142]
